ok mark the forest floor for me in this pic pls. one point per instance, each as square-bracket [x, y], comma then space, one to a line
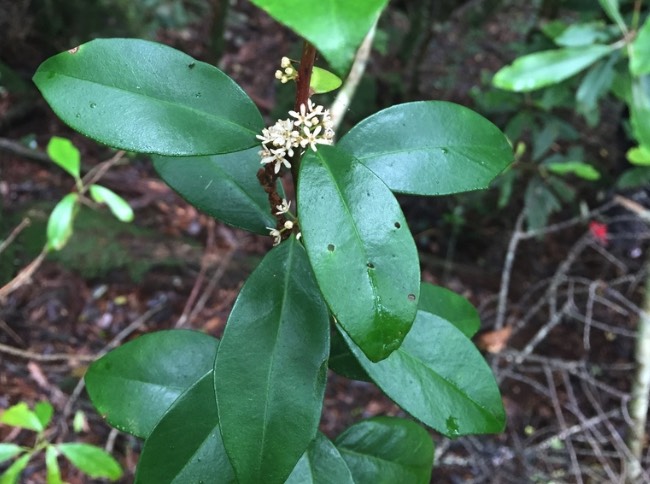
[558, 307]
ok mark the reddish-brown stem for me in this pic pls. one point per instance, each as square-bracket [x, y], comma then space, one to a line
[303, 92]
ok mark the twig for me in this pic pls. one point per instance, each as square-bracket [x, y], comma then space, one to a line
[212, 283]
[100, 170]
[14, 233]
[346, 93]
[56, 357]
[24, 276]
[18, 149]
[507, 271]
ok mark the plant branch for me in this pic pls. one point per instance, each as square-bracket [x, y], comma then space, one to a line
[303, 92]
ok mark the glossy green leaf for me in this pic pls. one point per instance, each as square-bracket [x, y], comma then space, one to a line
[271, 367]
[387, 450]
[640, 58]
[11, 475]
[577, 168]
[361, 249]
[9, 451]
[335, 27]
[44, 411]
[583, 34]
[64, 154]
[21, 416]
[440, 378]
[147, 97]
[613, 11]
[91, 460]
[61, 221]
[595, 84]
[223, 186]
[639, 155]
[116, 204]
[186, 446]
[52, 466]
[542, 69]
[450, 306]
[430, 148]
[135, 384]
[342, 361]
[321, 464]
[640, 109]
[636, 177]
[323, 81]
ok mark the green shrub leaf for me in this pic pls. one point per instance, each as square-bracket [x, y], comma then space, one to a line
[91, 460]
[223, 186]
[146, 97]
[135, 384]
[386, 450]
[52, 466]
[430, 148]
[21, 416]
[640, 109]
[361, 249]
[61, 221]
[440, 378]
[64, 154]
[335, 27]
[323, 81]
[116, 204]
[271, 367]
[9, 451]
[450, 306]
[44, 411]
[639, 155]
[541, 69]
[186, 445]
[583, 34]
[11, 475]
[577, 168]
[613, 11]
[321, 464]
[342, 361]
[640, 59]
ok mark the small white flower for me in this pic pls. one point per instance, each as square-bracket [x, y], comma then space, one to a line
[283, 207]
[276, 234]
[311, 138]
[278, 164]
[279, 74]
[285, 62]
[298, 235]
[303, 118]
[288, 225]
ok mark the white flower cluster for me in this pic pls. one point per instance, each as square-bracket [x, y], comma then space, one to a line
[288, 72]
[312, 125]
[282, 209]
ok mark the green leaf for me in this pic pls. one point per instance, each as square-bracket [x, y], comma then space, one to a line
[65, 154]
[52, 465]
[539, 203]
[578, 35]
[223, 186]
[577, 168]
[135, 384]
[9, 451]
[146, 97]
[594, 85]
[60, 223]
[430, 148]
[640, 58]
[636, 177]
[543, 69]
[440, 378]
[450, 306]
[640, 109]
[11, 475]
[613, 11]
[321, 464]
[186, 445]
[342, 361]
[21, 416]
[271, 367]
[387, 450]
[117, 205]
[639, 155]
[335, 27]
[361, 249]
[323, 81]
[44, 411]
[91, 460]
